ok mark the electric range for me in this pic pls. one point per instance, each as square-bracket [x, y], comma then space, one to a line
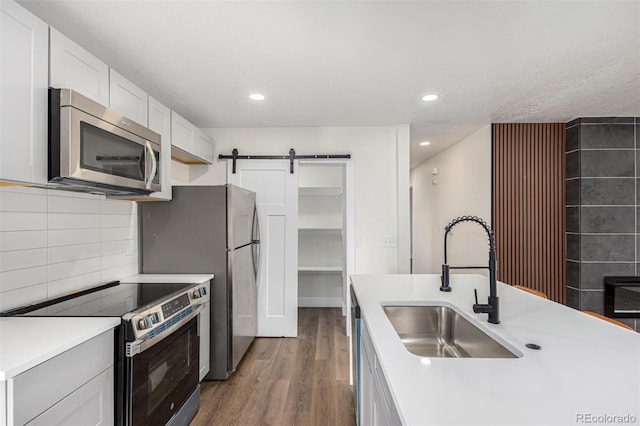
[156, 344]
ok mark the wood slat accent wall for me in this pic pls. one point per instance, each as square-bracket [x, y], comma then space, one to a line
[528, 205]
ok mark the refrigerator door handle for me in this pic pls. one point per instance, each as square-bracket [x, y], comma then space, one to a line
[255, 252]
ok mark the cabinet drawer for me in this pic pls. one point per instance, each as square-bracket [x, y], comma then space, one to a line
[91, 404]
[39, 388]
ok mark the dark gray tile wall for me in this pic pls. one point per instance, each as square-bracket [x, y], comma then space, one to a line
[602, 206]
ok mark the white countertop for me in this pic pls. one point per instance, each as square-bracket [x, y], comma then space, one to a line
[586, 365]
[28, 341]
[168, 278]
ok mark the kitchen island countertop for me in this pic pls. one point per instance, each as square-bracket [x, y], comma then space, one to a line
[586, 367]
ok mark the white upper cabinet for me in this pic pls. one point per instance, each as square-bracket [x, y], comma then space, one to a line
[23, 95]
[128, 99]
[191, 145]
[72, 67]
[181, 132]
[203, 146]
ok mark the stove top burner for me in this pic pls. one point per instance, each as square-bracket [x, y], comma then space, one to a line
[113, 299]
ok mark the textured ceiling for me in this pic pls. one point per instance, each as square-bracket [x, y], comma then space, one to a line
[362, 63]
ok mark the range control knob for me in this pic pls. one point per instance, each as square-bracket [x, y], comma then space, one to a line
[142, 324]
[199, 292]
[156, 317]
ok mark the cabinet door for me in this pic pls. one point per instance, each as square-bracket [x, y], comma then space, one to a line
[23, 94]
[204, 329]
[72, 67]
[127, 98]
[203, 146]
[366, 391]
[160, 122]
[90, 404]
[181, 132]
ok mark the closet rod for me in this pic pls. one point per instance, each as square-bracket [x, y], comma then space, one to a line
[292, 156]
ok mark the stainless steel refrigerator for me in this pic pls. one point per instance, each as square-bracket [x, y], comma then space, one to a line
[210, 229]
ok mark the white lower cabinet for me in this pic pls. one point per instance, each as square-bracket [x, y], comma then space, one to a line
[377, 407]
[204, 331]
[89, 405]
[75, 387]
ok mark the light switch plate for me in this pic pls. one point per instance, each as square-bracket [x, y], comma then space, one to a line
[390, 242]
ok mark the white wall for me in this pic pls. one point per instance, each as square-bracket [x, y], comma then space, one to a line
[463, 187]
[54, 242]
[374, 152]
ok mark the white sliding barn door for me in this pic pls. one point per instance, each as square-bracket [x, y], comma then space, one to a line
[277, 203]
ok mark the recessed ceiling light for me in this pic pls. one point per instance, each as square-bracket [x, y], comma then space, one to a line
[429, 98]
[425, 143]
[256, 97]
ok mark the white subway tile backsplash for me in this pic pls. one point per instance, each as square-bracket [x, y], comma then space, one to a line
[65, 237]
[73, 205]
[55, 242]
[117, 220]
[73, 221]
[118, 207]
[64, 286]
[22, 221]
[22, 240]
[74, 252]
[113, 260]
[123, 233]
[22, 296]
[19, 278]
[23, 190]
[118, 272]
[21, 259]
[113, 247]
[22, 202]
[58, 271]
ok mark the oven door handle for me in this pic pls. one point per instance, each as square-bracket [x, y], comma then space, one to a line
[141, 345]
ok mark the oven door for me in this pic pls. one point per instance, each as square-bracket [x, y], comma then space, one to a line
[163, 376]
[93, 150]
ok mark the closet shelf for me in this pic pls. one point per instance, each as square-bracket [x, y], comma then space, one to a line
[330, 231]
[321, 269]
[320, 190]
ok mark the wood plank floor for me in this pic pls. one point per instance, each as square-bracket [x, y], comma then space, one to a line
[287, 381]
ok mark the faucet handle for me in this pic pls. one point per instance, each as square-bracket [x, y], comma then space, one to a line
[475, 292]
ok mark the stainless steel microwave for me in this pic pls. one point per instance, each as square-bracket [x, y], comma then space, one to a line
[94, 149]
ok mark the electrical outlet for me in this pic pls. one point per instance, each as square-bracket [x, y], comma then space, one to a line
[389, 242]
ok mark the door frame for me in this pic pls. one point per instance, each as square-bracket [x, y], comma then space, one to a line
[348, 231]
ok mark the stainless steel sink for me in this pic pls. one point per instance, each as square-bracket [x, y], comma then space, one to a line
[441, 332]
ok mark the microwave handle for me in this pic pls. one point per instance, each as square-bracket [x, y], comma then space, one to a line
[154, 166]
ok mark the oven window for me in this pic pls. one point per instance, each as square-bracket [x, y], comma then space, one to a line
[166, 370]
[105, 152]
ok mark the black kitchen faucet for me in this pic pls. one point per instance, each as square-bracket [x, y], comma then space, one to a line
[492, 307]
